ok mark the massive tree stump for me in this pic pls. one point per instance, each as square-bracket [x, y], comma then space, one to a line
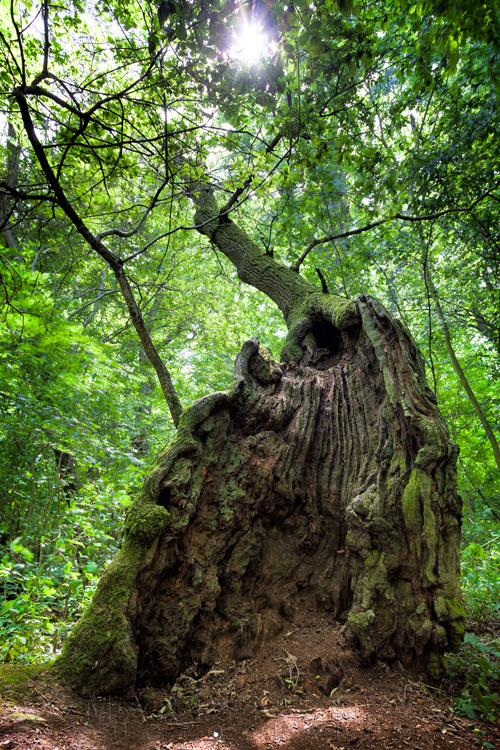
[322, 484]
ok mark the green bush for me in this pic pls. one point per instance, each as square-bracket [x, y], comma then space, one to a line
[40, 601]
[481, 573]
[478, 664]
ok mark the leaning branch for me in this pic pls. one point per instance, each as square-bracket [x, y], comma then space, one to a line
[235, 196]
[261, 271]
[37, 90]
[116, 263]
[331, 237]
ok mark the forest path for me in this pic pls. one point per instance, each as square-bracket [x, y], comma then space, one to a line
[280, 699]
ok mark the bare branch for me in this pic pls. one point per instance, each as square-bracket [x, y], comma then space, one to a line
[120, 232]
[324, 285]
[339, 236]
[92, 302]
[400, 216]
[235, 196]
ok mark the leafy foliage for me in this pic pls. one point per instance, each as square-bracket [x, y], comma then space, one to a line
[477, 663]
[480, 576]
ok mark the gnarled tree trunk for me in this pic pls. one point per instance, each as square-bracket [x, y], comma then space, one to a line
[323, 484]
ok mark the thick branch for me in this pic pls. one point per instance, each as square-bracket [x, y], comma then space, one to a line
[37, 90]
[236, 196]
[21, 195]
[285, 287]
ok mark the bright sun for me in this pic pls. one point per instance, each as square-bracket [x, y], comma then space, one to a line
[250, 44]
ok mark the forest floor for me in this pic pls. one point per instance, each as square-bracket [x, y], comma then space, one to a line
[281, 699]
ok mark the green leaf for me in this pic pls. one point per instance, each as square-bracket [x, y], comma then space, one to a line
[181, 32]
[153, 42]
[163, 13]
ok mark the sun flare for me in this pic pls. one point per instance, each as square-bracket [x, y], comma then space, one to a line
[250, 44]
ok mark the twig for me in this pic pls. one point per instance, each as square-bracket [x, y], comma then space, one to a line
[291, 661]
[73, 711]
[43, 696]
[437, 690]
[140, 708]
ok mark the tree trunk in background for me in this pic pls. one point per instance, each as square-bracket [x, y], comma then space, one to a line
[13, 149]
[495, 447]
[67, 474]
[325, 484]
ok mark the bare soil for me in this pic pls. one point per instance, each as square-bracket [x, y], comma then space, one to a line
[298, 693]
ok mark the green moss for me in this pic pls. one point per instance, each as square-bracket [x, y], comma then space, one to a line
[458, 618]
[440, 608]
[440, 636]
[100, 655]
[420, 519]
[410, 504]
[16, 680]
[434, 665]
[398, 465]
[374, 578]
[429, 530]
[312, 307]
[316, 305]
[420, 628]
[359, 622]
[262, 367]
[343, 312]
[185, 441]
[456, 609]
[197, 576]
[145, 520]
[379, 343]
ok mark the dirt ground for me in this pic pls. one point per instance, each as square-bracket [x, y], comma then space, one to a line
[298, 693]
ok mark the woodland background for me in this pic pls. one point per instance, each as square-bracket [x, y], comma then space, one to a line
[379, 112]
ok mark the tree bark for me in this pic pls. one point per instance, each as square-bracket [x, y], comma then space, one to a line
[13, 152]
[323, 484]
[67, 474]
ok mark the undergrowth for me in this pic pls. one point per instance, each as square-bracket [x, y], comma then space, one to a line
[477, 664]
